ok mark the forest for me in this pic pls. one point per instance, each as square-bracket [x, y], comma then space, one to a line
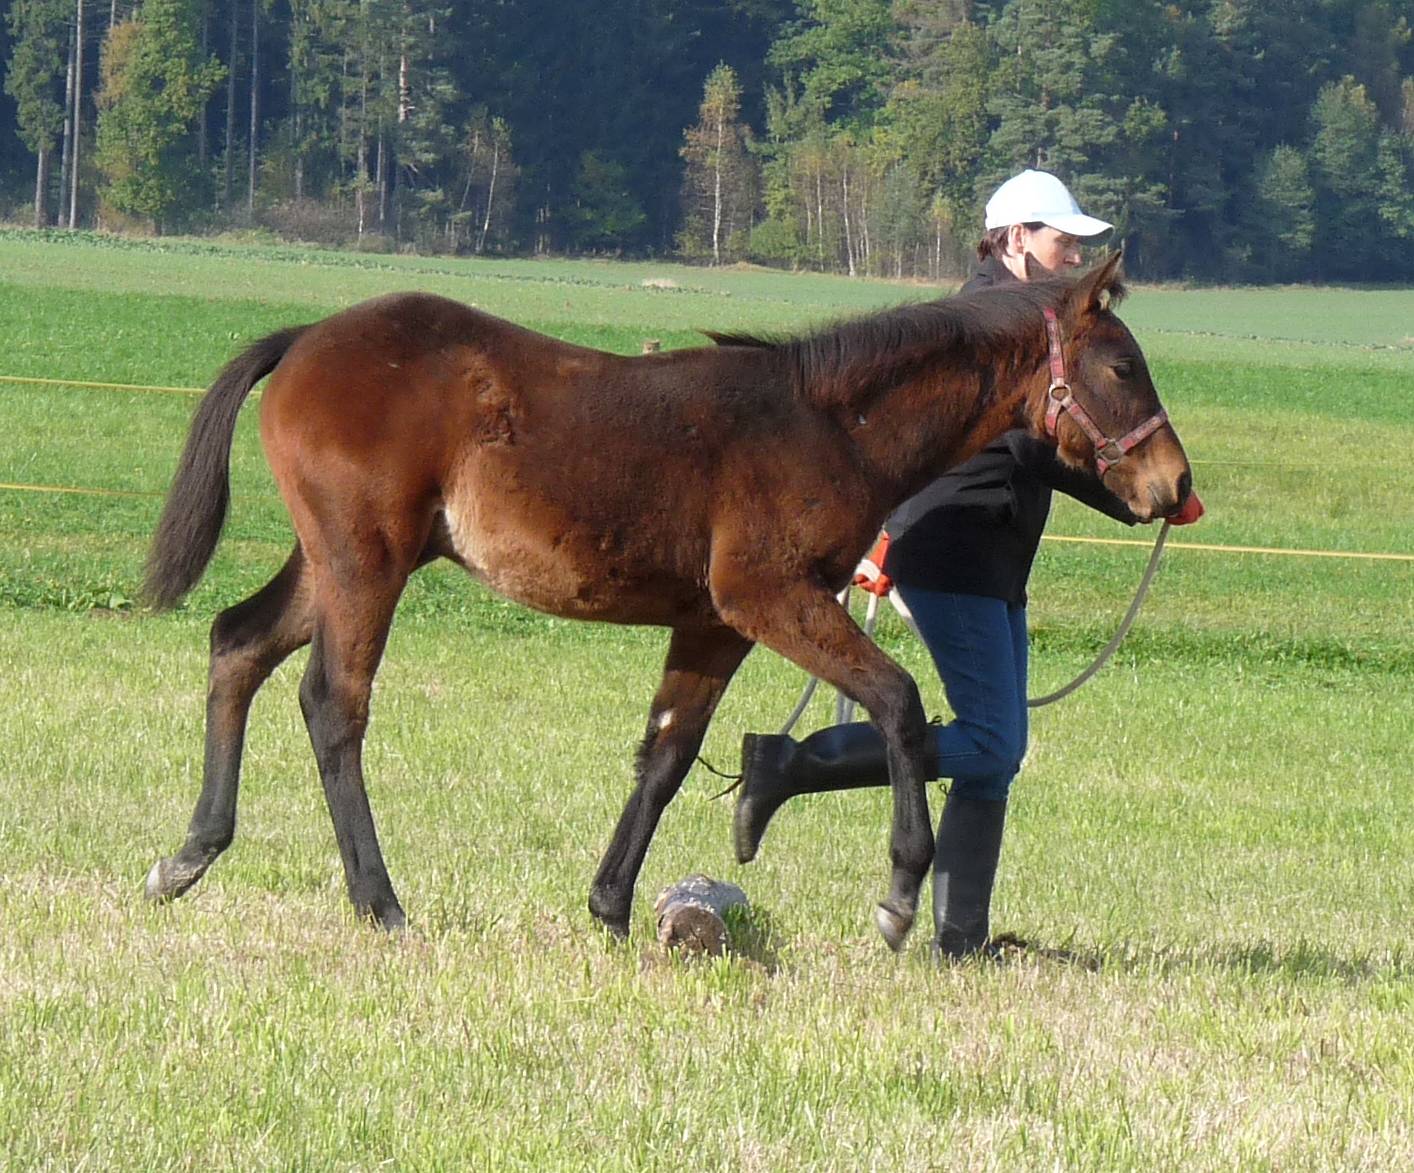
[1227, 140]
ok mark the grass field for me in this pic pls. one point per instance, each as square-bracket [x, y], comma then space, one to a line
[1220, 828]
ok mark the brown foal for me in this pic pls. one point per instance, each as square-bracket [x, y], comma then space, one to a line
[725, 492]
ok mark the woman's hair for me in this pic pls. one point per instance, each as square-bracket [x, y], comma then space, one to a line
[993, 243]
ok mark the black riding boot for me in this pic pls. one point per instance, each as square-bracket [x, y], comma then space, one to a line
[775, 767]
[969, 844]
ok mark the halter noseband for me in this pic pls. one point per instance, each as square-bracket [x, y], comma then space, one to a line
[1108, 452]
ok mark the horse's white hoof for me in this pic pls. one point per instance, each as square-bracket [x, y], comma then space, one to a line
[155, 890]
[892, 925]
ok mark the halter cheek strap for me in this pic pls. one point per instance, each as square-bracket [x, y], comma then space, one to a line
[1059, 399]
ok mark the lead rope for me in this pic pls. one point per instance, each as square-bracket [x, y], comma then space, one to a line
[844, 708]
[1118, 638]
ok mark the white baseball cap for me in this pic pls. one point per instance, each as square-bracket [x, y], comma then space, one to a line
[1039, 196]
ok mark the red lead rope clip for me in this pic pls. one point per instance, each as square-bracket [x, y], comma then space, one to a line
[869, 575]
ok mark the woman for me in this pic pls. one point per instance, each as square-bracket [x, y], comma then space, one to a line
[960, 555]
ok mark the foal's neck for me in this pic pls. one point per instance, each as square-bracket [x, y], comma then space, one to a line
[915, 431]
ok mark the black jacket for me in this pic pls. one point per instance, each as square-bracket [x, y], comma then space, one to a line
[974, 531]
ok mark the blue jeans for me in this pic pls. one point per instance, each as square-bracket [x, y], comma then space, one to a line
[978, 646]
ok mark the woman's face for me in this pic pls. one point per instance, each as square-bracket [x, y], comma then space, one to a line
[1055, 250]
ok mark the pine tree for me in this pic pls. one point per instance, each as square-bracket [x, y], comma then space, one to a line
[603, 213]
[839, 52]
[425, 144]
[1345, 154]
[34, 78]
[1282, 229]
[938, 116]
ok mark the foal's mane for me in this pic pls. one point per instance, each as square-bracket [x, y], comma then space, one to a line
[847, 363]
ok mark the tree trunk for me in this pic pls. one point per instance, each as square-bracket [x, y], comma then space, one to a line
[692, 914]
[254, 104]
[819, 214]
[296, 115]
[202, 147]
[848, 235]
[361, 179]
[68, 148]
[717, 197]
[490, 196]
[230, 113]
[404, 88]
[380, 168]
[343, 116]
[41, 184]
[78, 116]
[380, 187]
[360, 183]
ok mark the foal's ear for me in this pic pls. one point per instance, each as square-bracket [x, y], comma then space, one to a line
[1035, 271]
[1101, 287]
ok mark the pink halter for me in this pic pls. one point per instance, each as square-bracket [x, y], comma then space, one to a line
[1108, 452]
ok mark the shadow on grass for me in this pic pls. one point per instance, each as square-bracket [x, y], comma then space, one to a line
[755, 937]
[1301, 960]
[1307, 960]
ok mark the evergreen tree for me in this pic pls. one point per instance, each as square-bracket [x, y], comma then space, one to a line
[34, 78]
[426, 143]
[1053, 105]
[1345, 152]
[154, 86]
[837, 51]
[1394, 201]
[604, 213]
[884, 126]
[937, 114]
[779, 237]
[900, 220]
[1282, 228]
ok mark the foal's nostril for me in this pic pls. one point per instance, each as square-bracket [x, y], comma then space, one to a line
[1185, 486]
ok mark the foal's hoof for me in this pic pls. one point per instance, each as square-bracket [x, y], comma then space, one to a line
[382, 912]
[390, 920]
[611, 915]
[170, 878]
[892, 925]
[615, 929]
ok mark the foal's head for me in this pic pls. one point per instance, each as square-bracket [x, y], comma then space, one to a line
[1111, 421]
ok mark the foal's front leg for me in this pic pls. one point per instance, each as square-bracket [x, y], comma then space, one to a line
[806, 623]
[700, 664]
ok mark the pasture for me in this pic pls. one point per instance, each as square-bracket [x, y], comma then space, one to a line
[1219, 829]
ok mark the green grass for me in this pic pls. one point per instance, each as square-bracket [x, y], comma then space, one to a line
[1219, 828]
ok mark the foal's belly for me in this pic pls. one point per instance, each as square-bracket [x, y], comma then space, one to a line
[579, 575]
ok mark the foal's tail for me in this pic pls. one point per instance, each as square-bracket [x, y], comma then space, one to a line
[201, 489]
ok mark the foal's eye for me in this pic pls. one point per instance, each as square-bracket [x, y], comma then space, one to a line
[1123, 368]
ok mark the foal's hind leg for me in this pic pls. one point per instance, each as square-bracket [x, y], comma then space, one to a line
[700, 665]
[349, 637]
[248, 641]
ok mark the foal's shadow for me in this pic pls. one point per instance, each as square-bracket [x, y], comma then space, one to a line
[1300, 960]
[1009, 948]
[1303, 960]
